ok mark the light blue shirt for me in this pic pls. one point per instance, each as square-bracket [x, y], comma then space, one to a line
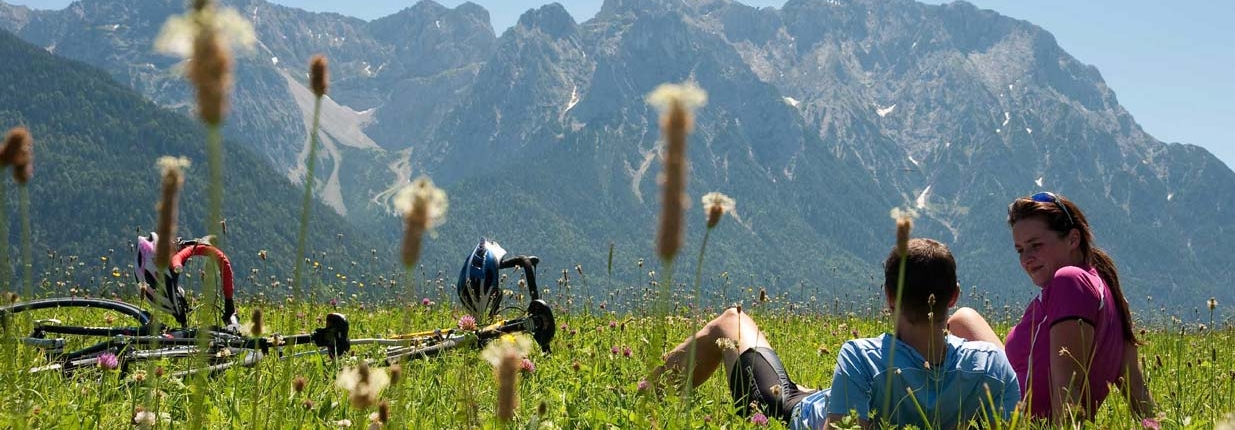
[975, 382]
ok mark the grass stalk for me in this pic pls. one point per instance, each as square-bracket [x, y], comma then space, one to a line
[6, 266]
[27, 255]
[307, 201]
[694, 345]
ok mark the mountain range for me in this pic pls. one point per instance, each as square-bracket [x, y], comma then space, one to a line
[822, 116]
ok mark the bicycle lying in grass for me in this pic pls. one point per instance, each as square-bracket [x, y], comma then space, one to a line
[480, 294]
[141, 337]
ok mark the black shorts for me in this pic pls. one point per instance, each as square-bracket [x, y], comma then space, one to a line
[751, 380]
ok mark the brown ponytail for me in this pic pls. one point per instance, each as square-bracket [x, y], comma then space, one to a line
[1105, 266]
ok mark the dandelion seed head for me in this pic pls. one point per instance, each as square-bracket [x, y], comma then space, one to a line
[716, 205]
[176, 36]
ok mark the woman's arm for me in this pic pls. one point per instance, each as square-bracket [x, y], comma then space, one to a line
[1132, 384]
[1071, 352]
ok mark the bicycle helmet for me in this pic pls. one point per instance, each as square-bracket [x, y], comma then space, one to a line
[478, 289]
[171, 299]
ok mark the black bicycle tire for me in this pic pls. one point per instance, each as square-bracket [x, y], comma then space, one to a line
[141, 316]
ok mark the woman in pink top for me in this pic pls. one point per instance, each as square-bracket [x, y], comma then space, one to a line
[1076, 337]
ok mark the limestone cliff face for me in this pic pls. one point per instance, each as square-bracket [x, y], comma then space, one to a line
[822, 116]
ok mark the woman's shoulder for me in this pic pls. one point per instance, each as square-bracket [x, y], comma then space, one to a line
[1074, 273]
[1073, 279]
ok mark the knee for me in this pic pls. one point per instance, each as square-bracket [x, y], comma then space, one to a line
[964, 315]
[728, 318]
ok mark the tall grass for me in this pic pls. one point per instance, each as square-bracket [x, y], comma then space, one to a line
[583, 384]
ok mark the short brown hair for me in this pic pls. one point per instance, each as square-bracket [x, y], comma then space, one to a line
[930, 279]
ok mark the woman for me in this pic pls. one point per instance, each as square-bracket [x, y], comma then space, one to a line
[1076, 337]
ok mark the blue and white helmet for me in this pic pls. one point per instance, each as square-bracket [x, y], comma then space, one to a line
[478, 281]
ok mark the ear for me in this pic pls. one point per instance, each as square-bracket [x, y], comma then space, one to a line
[955, 296]
[887, 298]
[1074, 238]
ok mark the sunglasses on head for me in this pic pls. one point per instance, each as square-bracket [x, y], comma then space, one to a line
[1049, 197]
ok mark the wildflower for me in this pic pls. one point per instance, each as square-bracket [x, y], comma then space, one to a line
[527, 366]
[1063, 352]
[144, 419]
[205, 36]
[18, 151]
[612, 324]
[763, 295]
[108, 361]
[256, 321]
[298, 383]
[643, 385]
[759, 419]
[726, 344]
[1213, 303]
[576, 365]
[383, 411]
[904, 223]
[1151, 423]
[518, 343]
[716, 205]
[318, 74]
[343, 423]
[467, 322]
[362, 384]
[396, 373]
[262, 255]
[423, 206]
[426, 302]
[139, 376]
[614, 350]
[307, 404]
[173, 179]
[626, 351]
[676, 104]
[775, 390]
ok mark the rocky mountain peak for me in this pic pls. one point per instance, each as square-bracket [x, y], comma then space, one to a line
[551, 19]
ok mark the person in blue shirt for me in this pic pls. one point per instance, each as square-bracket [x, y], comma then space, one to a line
[920, 375]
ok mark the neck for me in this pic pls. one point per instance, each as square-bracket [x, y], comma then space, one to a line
[928, 339]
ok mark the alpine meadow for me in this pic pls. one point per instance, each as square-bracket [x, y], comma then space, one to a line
[240, 214]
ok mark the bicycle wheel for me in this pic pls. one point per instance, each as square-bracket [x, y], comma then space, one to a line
[70, 329]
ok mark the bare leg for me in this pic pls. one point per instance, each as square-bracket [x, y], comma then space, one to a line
[730, 324]
[967, 323]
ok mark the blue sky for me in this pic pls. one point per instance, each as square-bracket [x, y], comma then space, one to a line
[1171, 64]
